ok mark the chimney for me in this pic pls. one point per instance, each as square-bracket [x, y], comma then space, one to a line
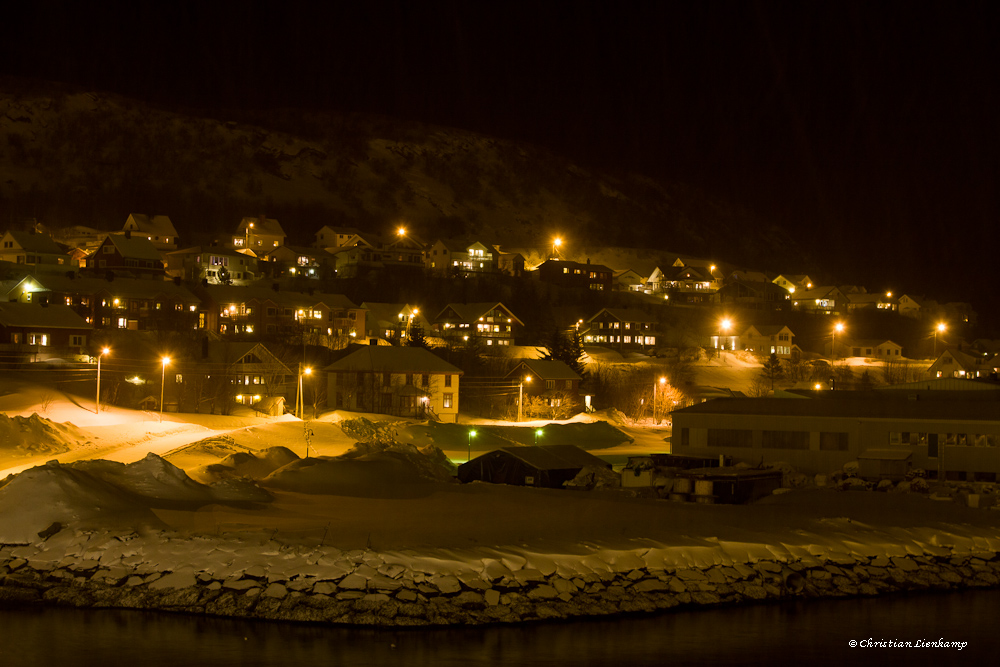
[128, 233]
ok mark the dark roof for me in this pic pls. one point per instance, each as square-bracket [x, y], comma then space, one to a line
[54, 316]
[388, 359]
[626, 315]
[36, 242]
[856, 405]
[138, 247]
[126, 287]
[555, 457]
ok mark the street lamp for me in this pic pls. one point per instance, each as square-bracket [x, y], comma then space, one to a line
[520, 395]
[556, 244]
[940, 328]
[837, 328]
[662, 382]
[538, 432]
[163, 377]
[300, 399]
[104, 350]
[472, 434]
[724, 325]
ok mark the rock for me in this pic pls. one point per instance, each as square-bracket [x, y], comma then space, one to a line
[691, 575]
[544, 592]
[647, 585]
[353, 582]
[447, 584]
[183, 579]
[904, 564]
[492, 597]
[325, 588]
[275, 590]
[239, 584]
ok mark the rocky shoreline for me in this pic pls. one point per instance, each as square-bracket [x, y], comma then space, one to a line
[367, 588]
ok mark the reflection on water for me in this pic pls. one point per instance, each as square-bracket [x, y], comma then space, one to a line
[813, 632]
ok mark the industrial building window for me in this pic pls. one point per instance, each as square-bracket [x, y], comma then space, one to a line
[833, 441]
[730, 437]
[785, 439]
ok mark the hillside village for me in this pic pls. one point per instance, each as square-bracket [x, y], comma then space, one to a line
[70, 292]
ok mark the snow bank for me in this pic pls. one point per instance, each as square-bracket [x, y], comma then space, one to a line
[368, 470]
[24, 437]
[107, 494]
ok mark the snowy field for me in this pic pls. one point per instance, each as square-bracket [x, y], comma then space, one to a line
[245, 478]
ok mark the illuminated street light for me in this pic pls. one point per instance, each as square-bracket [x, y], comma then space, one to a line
[300, 398]
[837, 328]
[104, 350]
[472, 434]
[940, 328]
[556, 244]
[520, 395]
[538, 432]
[163, 377]
[661, 383]
[401, 232]
[724, 325]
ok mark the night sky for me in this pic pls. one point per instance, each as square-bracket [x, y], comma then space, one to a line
[869, 130]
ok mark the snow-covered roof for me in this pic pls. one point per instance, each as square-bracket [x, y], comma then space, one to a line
[31, 242]
[386, 359]
[136, 247]
[262, 225]
[471, 312]
[554, 457]
[854, 405]
[158, 225]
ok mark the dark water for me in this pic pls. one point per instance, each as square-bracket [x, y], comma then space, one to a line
[806, 633]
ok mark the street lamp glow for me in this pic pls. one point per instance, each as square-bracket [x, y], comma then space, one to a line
[940, 328]
[300, 399]
[104, 350]
[538, 432]
[472, 434]
[401, 231]
[837, 328]
[520, 395]
[163, 377]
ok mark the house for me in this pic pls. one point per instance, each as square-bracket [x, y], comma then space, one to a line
[621, 328]
[874, 348]
[331, 320]
[552, 382]
[158, 229]
[794, 282]
[392, 322]
[914, 306]
[121, 303]
[760, 294]
[334, 237]
[364, 250]
[596, 277]
[953, 434]
[493, 323]
[866, 301]
[549, 466]
[218, 265]
[227, 373]
[451, 257]
[959, 364]
[401, 381]
[510, 263]
[128, 255]
[33, 250]
[768, 339]
[39, 331]
[260, 235]
[687, 284]
[287, 260]
[826, 299]
[629, 280]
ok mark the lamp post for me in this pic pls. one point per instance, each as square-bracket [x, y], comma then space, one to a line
[940, 328]
[556, 244]
[538, 432]
[472, 434]
[520, 395]
[249, 227]
[300, 397]
[104, 350]
[163, 378]
[724, 325]
[655, 385]
[837, 328]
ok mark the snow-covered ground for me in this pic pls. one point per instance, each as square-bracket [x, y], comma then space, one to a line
[209, 482]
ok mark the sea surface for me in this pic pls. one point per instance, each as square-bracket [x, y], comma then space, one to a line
[815, 632]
